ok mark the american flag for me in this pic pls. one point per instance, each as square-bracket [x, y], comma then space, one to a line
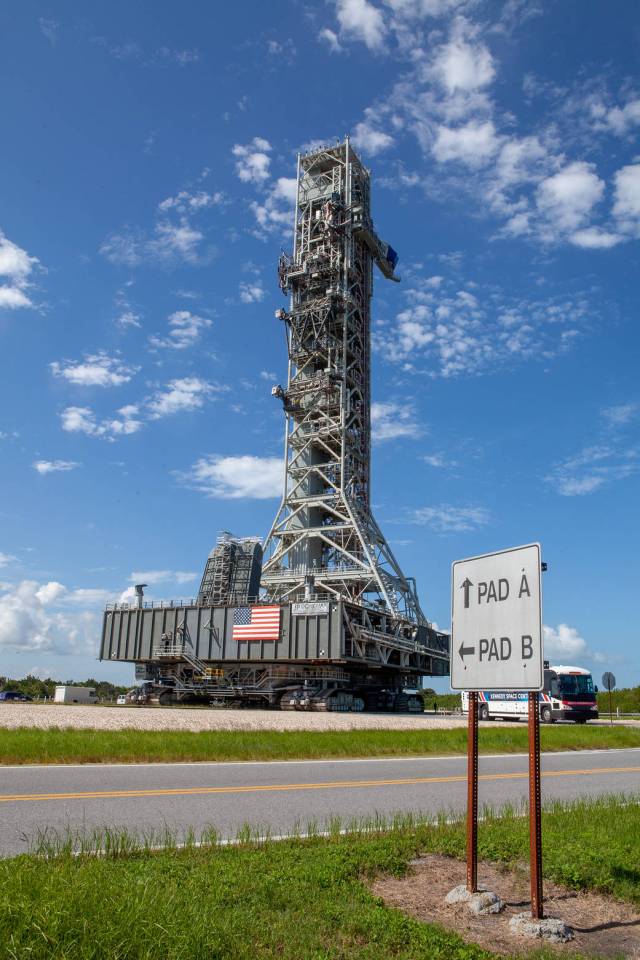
[256, 623]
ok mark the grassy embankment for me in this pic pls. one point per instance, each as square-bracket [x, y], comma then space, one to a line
[296, 900]
[33, 745]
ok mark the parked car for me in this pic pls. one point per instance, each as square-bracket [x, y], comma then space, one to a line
[14, 696]
[122, 700]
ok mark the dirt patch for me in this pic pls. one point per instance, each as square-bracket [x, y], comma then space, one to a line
[603, 927]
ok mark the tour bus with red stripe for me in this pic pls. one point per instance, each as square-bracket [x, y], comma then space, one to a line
[568, 694]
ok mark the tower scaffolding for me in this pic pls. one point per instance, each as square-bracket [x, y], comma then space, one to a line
[324, 539]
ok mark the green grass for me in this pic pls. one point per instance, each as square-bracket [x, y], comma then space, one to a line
[32, 745]
[296, 900]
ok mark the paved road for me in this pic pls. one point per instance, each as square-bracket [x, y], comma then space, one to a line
[281, 795]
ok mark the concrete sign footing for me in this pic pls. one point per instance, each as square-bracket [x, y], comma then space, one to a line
[549, 929]
[480, 903]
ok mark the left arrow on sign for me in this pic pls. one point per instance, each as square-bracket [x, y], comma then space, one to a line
[465, 651]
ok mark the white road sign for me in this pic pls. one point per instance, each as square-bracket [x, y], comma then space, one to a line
[496, 621]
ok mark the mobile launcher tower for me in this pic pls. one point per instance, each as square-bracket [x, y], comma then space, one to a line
[335, 624]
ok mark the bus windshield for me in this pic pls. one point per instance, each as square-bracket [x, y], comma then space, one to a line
[575, 683]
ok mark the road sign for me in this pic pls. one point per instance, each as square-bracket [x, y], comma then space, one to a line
[496, 621]
[608, 681]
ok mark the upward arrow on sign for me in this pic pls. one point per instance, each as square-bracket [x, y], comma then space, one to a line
[466, 586]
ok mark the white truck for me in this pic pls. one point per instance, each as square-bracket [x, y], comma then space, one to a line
[568, 694]
[66, 694]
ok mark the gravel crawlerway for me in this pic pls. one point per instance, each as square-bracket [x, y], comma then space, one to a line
[45, 716]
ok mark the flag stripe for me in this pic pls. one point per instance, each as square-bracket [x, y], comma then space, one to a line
[256, 623]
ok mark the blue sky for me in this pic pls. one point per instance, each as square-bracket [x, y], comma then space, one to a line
[147, 168]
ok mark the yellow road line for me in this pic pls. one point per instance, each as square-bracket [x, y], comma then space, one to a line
[274, 787]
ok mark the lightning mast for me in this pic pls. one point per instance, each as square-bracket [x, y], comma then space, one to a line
[325, 540]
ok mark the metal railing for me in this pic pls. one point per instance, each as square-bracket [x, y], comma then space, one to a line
[234, 600]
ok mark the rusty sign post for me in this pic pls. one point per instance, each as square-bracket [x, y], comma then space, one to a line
[472, 794]
[535, 809]
[496, 645]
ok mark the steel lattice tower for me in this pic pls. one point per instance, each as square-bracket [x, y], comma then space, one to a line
[324, 541]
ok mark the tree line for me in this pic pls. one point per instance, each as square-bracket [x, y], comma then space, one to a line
[39, 689]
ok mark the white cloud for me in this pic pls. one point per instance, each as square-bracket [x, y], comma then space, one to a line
[331, 39]
[50, 592]
[15, 263]
[445, 518]
[127, 315]
[360, 20]
[414, 9]
[185, 202]
[519, 161]
[128, 596]
[593, 238]
[239, 477]
[286, 188]
[32, 617]
[124, 249]
[172, 239]
[567, 198]
[129, 318]
[12, 298]
[389, 421]
[83, 420]
[252, 292]
[49, 29]
[6, 559]
[267, 375]
[96, 370]
[620, 414]
[80, 420]
[370, 140]
[284, 50]
[530, 184]
[184, 330]
[592, 468]
[180, 394]
[564, 643]
[473, 144]
[16, 267]
[446, 331]
[186, 393]
[176, 240]
[626, 207]
[621, 119]
[462, 64]
[162, 576]
[54, 466]
[88, 596]
[170, 242]
[438, 460]
[253, 160]
[274, 214]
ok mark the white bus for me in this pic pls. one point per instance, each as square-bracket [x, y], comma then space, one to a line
[568, 694]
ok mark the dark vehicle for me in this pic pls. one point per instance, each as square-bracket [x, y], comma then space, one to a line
[14, 696]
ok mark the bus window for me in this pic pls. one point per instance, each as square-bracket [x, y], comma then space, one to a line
[575, 684]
